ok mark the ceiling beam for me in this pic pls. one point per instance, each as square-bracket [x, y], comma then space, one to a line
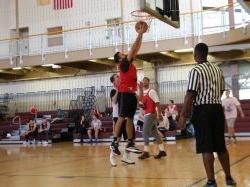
[172, 55]
[13, 72]
[159, 57]
[222, 48]
[76, 65]
[106, 62]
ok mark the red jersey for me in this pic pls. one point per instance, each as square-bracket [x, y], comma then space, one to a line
[128, 80]
[149, 104]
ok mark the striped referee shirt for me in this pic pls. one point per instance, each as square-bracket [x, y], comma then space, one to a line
[207, 81]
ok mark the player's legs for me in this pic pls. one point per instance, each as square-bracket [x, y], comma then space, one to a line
[146, 132]
[157, 136]
[96, 134]
[90, 134]
[230, 126]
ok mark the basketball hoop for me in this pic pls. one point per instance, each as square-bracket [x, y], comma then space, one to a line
[141, 15]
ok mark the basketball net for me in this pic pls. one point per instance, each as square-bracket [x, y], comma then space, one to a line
[140, 15]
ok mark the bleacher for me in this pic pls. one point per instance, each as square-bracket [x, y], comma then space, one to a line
[6, 126]
[242, 125]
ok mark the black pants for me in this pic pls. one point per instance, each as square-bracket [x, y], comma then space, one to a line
[31, 135]
[123, 131]
[208, 121]
[81, 130]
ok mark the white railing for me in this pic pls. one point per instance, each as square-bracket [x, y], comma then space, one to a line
[204, 23]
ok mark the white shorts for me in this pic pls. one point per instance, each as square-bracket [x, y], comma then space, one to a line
[231, 122]
[96, 126]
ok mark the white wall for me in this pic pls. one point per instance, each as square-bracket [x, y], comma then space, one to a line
[174, 73]
[96, 80]
[39, 18]
[5, 21]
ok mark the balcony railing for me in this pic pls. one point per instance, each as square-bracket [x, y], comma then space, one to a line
[191, 24]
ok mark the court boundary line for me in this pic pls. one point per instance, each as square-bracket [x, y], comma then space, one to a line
[218, 171]
[99, 177]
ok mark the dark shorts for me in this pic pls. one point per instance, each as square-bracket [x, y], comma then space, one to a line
[81, 129]
[127, 103]
[208, 121]
[140, 123]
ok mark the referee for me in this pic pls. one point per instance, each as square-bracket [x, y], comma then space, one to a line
[205, 87]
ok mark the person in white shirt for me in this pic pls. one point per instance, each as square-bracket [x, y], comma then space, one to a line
[173, 109]
[114, 79]
[44, 129]
[95, 126]
[163, 125]
[231, 104]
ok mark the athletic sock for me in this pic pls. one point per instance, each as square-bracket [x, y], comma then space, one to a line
[146, 148]
[161, 147]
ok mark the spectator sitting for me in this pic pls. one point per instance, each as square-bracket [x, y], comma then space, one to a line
[32, 131]
[163, 125]
[169, 116]
[44, 130]
[96, 112]
[59, 116]
[96, 126]
[173, 109]
[81, 128]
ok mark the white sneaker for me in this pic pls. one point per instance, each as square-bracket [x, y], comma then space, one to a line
[112, 159]
[126, 160]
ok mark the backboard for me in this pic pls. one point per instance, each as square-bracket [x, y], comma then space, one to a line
[164, 10]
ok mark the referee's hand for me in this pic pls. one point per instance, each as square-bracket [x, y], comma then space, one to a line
[182, 122]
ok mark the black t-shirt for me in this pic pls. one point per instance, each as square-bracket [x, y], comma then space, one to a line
[85, 124]
[112, 93]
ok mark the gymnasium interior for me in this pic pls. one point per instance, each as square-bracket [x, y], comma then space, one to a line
[56, 60]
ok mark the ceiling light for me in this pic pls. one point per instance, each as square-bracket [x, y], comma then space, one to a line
[111, 58]
[188, 50]
[47, 65]
[17, 68]
[93, 60]
[56, 66]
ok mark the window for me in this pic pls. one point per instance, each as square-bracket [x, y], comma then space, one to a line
[23, 42]
[55, 36]
[113, 28]
[43, 2]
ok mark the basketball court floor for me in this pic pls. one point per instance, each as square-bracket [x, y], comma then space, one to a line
[73, 165]
[69, 165]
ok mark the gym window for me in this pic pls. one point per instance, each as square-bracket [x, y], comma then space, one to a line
[55, 36]
[113, 28]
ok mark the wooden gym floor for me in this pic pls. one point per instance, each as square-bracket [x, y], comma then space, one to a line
[68, 165]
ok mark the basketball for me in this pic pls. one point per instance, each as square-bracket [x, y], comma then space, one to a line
[141, 24]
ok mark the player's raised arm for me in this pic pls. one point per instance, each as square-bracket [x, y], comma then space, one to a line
[141, 27]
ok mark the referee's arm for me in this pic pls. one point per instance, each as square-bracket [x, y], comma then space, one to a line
[222, 85]
[193, 86]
